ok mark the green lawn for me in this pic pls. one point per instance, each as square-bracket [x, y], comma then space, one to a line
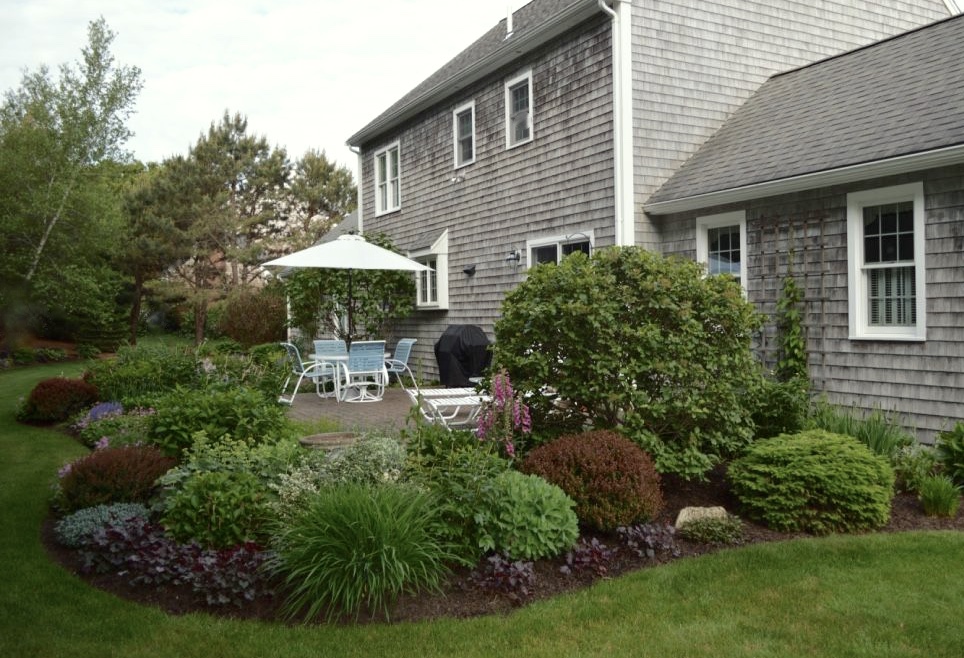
[874, 595]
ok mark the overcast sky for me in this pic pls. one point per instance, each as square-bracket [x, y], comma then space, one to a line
[307, 74]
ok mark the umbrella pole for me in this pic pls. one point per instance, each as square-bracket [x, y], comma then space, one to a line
[351, 319]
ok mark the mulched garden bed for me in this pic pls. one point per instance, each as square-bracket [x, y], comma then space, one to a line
[462, 598]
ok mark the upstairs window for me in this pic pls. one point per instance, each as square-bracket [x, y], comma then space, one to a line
[518, 110]
[885, 252]
[387, 180]
[721, 244]
[464, 130]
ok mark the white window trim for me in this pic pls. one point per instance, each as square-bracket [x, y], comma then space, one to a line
[512, 82]
[703, 224]
[440, 252]
[558, 240]
[470, 106]
[860, 329]
[398, 200]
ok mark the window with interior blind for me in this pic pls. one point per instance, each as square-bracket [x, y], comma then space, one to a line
[885, 250]
[387, 180]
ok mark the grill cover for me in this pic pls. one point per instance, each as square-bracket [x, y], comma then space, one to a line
[462, 352]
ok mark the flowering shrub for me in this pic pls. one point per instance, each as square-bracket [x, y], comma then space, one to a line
[56, 399]
[111, 475]
[505, 417]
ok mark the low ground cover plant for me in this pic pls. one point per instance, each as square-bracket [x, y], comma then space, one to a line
[77, 529]
[612, 480]
[723, 530]
[813, 481]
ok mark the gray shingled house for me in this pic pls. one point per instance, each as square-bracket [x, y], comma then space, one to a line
[552, 131]
[850, 171]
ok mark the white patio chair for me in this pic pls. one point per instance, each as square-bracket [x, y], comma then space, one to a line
[318, 373]
[364, 372]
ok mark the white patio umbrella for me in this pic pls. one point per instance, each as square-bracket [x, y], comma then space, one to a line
[348, 252]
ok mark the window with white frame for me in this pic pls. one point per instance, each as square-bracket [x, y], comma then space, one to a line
[431, 286]
[464, 130]
[885, 257]
[553, 249]
[387, 180]
[518, 110]
[721, 244]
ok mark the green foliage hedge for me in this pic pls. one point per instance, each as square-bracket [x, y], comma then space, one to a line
[56, 399]
[630, 338]
[813, 481]
[612, 481]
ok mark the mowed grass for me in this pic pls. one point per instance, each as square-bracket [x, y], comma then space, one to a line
[872, 595]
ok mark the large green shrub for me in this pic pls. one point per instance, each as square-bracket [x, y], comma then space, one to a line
[218, 509]
[526, 517]
[612, 481]
[629, 338]
[813, 481]
[237, 411]
[358, 548]
[56, 399]
[253, 316]
[112, 475]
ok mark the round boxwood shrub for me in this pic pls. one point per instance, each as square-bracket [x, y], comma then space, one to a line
[612, 480]
[814, 481]
[112, 475]
[56, 399]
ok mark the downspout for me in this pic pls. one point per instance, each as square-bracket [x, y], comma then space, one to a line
[358, 177]
[622, 80]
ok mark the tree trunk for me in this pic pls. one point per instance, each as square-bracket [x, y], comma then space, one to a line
[200, 319]
[136, 307]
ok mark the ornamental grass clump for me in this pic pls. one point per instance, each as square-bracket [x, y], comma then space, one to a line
[357, 548]
[939, 496]
[814, 481]
[612, 480]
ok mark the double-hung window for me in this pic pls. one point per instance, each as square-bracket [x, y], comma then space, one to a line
[885, 252]
[464, 131]
[721, 244]
[518, 110]
[554, 249]
[387, 180]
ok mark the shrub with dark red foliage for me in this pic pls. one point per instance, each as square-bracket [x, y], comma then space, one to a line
[612, 480]
[112, 475]
[57, 399]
